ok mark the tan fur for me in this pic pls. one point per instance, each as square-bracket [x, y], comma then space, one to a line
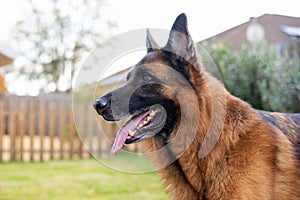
[252, 159]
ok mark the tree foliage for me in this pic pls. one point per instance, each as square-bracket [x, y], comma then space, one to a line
[259, 76]
[54, 37]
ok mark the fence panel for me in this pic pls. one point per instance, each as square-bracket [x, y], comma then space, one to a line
[42, 128]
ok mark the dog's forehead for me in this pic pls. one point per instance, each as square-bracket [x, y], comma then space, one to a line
[155, 64]
[152, 59]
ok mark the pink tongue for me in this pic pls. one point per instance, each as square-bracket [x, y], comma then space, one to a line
[124, 131]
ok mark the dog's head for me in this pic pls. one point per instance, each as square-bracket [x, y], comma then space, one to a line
[149, 98]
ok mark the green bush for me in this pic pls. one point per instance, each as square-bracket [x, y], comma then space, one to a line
[259, 76]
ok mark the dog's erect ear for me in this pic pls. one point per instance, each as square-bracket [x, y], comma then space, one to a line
[180, 41]
[150, 43]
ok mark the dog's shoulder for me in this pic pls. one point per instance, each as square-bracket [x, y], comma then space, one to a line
[289, 124]
[284, 121]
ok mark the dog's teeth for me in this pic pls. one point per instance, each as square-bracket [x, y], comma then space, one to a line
[140, 126]
[151, 113]
[131, 133]
[149, 118]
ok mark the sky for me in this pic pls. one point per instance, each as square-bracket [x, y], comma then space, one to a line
[205, 18]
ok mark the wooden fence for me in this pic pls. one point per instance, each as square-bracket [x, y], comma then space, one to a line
[43, 128]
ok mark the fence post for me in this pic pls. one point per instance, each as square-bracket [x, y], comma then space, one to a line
[52, 116]
[32, 121]
[21, 127]
[12, 129]
[82, 128]
[2, 126]
[89, 131]
[62, 121]
[71, 133]
[42, 128]
[109, 133]
[100, 133]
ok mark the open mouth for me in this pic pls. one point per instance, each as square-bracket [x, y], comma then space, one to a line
[142, 125]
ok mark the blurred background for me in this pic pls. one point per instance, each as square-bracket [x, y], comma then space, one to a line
[255, 44]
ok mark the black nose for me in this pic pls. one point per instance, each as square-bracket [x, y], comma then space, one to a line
[100, 104]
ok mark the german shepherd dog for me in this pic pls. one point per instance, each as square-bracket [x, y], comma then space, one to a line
[256, 154]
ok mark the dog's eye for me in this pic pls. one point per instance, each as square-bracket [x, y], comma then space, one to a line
[146, 77]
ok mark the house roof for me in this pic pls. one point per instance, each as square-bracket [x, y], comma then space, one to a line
[6, 55]
[274, 27]
[291, 30]
[119, 76]
[5, 60]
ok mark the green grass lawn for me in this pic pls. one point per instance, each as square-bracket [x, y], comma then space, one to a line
[80, 179]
